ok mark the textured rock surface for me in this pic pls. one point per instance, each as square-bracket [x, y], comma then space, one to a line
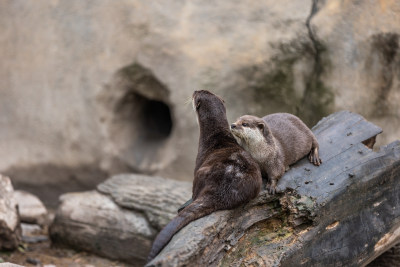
[10, 229]
[91, 73]
[31, 209]
[121, 223]
[359, 49]
[118, 74]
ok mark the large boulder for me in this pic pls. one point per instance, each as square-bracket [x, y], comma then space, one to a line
[10, 229]
[121, 218]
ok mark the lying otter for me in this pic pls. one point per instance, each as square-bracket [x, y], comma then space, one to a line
[225, 175]
[275, 142]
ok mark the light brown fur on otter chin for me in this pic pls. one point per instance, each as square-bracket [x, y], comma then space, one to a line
[225, 175]
[275, 142]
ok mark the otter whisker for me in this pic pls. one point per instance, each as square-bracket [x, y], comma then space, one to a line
[189, 100]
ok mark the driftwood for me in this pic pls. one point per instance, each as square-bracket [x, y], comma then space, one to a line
[390, 258]
[345, 212]
[121, 218]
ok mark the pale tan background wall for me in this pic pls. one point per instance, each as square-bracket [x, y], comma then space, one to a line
[76, 77]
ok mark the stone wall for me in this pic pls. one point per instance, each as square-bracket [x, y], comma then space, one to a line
[92, 88]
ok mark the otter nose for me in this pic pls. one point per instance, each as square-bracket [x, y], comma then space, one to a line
[233, 126]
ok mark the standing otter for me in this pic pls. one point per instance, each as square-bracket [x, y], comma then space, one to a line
[225, 175]
[275, 142]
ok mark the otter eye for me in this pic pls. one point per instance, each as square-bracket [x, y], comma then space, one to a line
[245, 124]
[198, 105]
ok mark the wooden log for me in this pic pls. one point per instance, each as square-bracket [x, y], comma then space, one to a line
[345, 212]
[390, 258]
[121, 218]
[158, 198]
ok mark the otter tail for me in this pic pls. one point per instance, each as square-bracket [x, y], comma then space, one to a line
[193, 211]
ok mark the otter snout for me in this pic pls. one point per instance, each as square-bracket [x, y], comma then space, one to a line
[236, 130]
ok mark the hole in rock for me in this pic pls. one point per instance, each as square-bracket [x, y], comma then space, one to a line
[141, 119]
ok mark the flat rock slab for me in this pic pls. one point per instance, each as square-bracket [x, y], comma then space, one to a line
[10, 229]
[121, 219]
[344, 212]
[31, 209]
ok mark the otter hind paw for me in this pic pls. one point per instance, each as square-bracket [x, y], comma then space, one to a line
[314, 158]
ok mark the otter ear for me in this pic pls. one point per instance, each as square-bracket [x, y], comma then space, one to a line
[263, 128]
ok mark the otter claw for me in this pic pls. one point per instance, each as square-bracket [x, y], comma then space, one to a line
[272, 191]
[313, 157]
[315, 161]
[271, 188]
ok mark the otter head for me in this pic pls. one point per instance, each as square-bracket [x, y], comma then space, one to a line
[210, 108]
[249, 130]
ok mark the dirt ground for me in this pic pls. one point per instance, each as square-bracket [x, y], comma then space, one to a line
[37, 250]
[42, 254]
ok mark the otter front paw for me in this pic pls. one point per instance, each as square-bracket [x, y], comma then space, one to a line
[271, 187]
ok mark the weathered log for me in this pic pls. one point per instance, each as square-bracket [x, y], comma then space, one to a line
[345, 212]
[157, 198]
[121, 218]
[390, 258]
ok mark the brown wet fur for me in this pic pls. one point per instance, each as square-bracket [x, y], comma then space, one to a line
[225, 175]
[286, 139]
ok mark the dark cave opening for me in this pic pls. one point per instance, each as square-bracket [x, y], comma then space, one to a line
[142, 120]
[156, 119]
